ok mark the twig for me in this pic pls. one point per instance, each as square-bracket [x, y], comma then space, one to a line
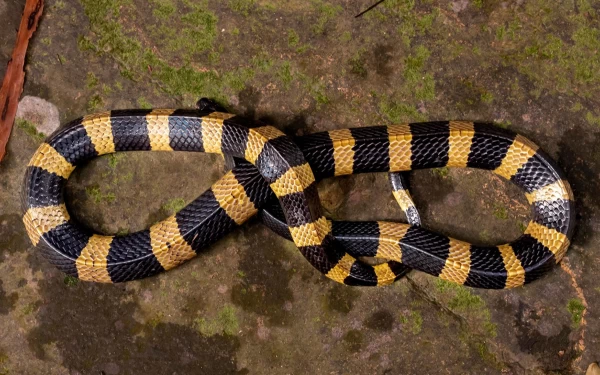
[12, 86]
[369, 8]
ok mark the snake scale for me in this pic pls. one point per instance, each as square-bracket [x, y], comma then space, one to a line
[272, 167]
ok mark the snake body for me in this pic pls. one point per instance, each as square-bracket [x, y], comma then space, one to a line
[275, 165]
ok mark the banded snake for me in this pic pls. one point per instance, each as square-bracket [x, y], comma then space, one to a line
[272, 167]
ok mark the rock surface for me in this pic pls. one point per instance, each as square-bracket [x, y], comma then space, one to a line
[40, 112]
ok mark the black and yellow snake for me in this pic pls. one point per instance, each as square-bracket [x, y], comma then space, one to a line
[275, 164]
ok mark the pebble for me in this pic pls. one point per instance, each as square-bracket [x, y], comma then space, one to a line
[40, 112]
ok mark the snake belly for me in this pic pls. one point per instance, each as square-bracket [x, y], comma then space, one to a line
[289, 169]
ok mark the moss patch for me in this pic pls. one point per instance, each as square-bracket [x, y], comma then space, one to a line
[175, 44]
[96, 195]
[500, 212]
[29, 128]
[173, 206]
[462, 301]
[398, 112]
[225, 323]
[576, 309]
[326, 12]
[70, 281]
[413, 320]
[144, 103]
[442, 172]
[241, 6]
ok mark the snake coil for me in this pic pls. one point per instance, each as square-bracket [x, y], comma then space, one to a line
[272, 167]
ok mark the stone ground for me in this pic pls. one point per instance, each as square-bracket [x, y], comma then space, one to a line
[251, 304]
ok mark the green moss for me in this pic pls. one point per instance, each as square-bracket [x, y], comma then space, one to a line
[262, 61]
[500, 212]
[357, 64]
[417, 322]
[441, 172]
[144, 103]
[285, 74]
[398, 112]
[504, 124]
[444, 286]
[173, 206]
[413, 320]
[47, 41]
[576, 309]
[91, 80]
[423, 84]
[214, 57]
[198, 33]
[29, 128]
[172, 60]
[414, 63]
[316, 89]
[487, 356]
[61, 59]
[592, 119]
[507, 32]
[85, 44]
[225, 323]
[586, 62]
[28, 309]
[293, 38]
[478, 3]
[237, 79]
[114, 159]
[326, 12]
[155, 321]
[241, 6]
[487, 97]
[569, 67]
[70, 281]
[346, 36]
[465, 300]
[425, 89]
[461, 300]
[162, 9]
[97, 196]
[95, 102]
[303, 48]
[411, 22]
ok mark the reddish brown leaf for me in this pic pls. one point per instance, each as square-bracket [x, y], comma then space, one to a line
[12, 86]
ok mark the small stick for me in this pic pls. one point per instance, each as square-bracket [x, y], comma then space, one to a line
[12, 86]
[369, 8]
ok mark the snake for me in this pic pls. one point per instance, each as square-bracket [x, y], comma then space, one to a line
[276, 176]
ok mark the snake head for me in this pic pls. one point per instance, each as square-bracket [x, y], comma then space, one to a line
[205, 104]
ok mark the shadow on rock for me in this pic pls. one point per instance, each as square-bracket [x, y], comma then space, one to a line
[580, 159]
[93, 328]
[7, 302]
[264, 276]
[555, 353]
